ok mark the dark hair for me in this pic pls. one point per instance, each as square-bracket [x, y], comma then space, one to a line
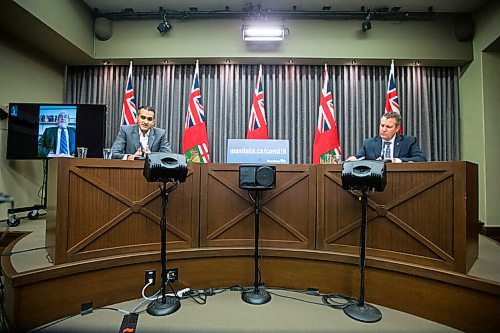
[147, 108]
[395, 115]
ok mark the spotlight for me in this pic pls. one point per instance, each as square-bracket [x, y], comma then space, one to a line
[367, 24]
[164, 26]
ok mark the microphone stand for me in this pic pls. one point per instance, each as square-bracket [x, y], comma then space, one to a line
[362, 311]
[167, 304]
[258, 295]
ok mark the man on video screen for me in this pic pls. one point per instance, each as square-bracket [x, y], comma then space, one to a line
[58, 141]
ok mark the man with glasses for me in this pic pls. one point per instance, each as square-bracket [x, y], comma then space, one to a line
[134, 141]
[58, 141]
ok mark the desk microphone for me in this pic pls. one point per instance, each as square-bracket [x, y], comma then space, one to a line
[143, 152]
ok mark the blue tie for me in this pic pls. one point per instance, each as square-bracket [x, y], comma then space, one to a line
[63, 143]
[387, 150]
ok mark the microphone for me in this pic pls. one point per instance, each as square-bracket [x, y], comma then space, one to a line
[143, 150]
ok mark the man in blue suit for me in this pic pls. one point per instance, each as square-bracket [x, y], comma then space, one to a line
[136, 140]
[389, 145]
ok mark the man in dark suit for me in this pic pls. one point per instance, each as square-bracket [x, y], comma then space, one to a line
[58, 141]
[136, 140]
[389, 145]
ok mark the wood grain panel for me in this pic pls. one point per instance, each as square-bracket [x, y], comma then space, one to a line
[420, 217]
[106, 207]
[287, 216]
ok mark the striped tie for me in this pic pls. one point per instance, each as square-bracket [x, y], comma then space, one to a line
[63, 143]
[387, 150]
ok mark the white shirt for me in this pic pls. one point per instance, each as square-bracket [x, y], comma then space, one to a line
[143, 138]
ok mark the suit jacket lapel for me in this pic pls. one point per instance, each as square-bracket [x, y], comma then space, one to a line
[136, 138]
[377, 148]
[397, 145]
[151, 138]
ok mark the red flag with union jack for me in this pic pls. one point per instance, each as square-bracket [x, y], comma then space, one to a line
[195, 138]
[326, 148]
[129, 109]
[391, 98]
[257, 126]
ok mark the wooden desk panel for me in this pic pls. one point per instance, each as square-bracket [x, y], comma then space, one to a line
[421, 217]
[287, 217]
[100, 208]
[427, 214]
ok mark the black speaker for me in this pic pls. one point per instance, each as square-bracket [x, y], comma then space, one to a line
[165, 167]
[257, 177]
[364, 175]
[103, 28]
[464, 30]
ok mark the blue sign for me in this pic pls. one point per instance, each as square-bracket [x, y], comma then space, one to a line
[258, 151]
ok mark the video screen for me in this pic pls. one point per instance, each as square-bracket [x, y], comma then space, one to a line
[38, 131]
[57, 131]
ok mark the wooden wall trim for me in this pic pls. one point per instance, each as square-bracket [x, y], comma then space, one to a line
[427, 292]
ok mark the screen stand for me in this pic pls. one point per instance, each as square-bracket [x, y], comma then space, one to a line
[13, 220]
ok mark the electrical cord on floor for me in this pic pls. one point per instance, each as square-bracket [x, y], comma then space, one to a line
[155, 296]
[148, 298]
[335, 301]
[330, 300]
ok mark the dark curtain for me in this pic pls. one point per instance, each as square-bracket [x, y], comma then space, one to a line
[428, 98]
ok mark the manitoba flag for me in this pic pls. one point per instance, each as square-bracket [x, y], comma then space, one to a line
[129, 109]
[391, 98]
[195, 138]
[326, 148]
[257, 126]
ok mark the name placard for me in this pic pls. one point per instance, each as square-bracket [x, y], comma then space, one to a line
[258, 151]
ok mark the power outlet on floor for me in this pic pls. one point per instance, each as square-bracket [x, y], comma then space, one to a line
[150, 275]
[172, 274]
[87, 308]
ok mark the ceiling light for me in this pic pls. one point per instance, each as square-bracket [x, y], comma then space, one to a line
[263, 32]
[367, 24]
[164, 26]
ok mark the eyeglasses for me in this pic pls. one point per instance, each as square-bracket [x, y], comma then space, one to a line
[63, 116]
